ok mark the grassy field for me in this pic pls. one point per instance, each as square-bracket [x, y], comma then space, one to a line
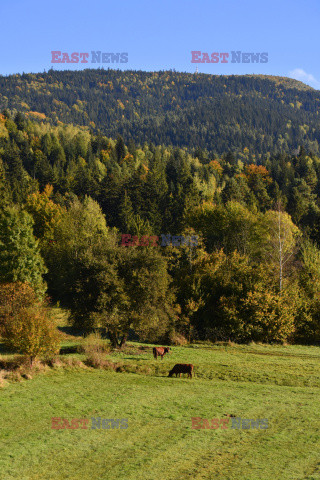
[278, 383]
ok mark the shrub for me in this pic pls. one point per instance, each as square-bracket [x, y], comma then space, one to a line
[271, 316]
[95, 349]
[177, 339]
[96, 360]
[68, 362]
[24, 322]
[13, 298]
[31, 333]
[94, 344]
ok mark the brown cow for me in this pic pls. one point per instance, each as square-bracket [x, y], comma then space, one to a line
[160, 352]
[182, 368]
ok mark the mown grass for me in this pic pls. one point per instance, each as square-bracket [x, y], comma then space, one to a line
[280, 383]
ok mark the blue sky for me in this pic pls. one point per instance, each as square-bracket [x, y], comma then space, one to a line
[160, 34]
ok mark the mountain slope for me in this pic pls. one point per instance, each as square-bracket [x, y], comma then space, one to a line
[220, 113]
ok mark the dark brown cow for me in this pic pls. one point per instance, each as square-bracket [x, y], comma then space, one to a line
[160, 352]
[182, 368]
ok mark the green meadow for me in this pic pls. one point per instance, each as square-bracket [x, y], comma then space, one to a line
[278, 383]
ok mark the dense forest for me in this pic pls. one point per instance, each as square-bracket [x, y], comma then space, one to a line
[68, 194]
[264, 114]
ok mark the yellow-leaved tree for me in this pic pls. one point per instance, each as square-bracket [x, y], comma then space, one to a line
[25, 325]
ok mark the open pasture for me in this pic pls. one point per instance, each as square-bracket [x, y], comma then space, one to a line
[278, 383]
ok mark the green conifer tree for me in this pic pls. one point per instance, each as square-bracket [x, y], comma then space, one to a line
[20, 259]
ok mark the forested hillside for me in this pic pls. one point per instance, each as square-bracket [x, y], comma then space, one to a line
[218, 113]
[67, 196]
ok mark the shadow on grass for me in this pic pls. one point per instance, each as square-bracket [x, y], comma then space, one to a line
[4, 350]
[68, 350]
[73, 332]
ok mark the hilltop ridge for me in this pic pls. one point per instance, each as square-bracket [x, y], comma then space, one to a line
[264, 113]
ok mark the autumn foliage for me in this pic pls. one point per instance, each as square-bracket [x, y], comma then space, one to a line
[255, 172]
[24, 322]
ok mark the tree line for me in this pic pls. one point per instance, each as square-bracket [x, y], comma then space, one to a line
[215, 112]
[67, 195]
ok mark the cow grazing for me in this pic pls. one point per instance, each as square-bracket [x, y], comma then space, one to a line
[182, 368]
[160, 352]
